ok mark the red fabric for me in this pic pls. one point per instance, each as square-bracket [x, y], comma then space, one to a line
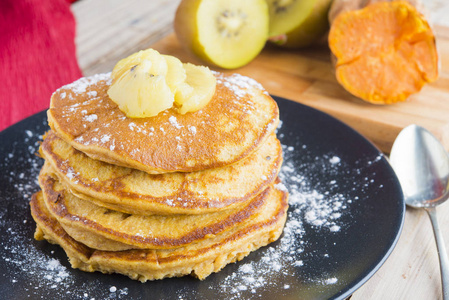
[37, 55]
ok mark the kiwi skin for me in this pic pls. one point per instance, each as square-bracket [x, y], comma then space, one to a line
[185, 28]
[187, 31]
[311, 31]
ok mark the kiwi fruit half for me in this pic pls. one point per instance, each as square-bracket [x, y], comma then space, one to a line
[225, 33]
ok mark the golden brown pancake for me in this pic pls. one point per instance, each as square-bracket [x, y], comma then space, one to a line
[197, 259]
[236, 122]
[104, 229]
[137, 192]
[164, 196]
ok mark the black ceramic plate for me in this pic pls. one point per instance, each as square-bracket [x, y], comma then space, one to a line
[346, 213]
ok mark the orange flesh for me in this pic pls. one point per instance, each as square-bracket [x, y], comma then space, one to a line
[385, 51]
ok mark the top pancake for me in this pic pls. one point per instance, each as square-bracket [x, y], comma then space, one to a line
[237, 120]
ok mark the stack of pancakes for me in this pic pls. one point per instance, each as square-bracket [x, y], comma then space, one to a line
[164, 196]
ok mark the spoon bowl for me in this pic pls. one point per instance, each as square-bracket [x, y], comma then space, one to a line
[422, 166]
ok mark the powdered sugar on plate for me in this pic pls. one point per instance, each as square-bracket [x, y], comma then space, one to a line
[35, 270]
[318, 207]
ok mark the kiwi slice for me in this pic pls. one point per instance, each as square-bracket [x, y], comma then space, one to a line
[302, 21]
[225, 33]
[147, 83]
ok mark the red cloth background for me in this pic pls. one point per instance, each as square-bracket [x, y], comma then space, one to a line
[37, 55]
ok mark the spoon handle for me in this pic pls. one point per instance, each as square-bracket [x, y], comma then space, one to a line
[444, 262]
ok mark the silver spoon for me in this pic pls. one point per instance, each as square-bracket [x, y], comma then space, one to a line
[422, 166]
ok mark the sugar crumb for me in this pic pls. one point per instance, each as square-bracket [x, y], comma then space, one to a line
[334, 160]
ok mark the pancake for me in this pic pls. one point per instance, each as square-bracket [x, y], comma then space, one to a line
[104, 229]
[137, 192]
[236, 122]
[197, 259]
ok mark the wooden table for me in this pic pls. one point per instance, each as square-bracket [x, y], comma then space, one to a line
[109, 30]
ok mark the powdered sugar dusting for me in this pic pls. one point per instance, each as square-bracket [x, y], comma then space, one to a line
[317, 207]
[192, 129]
[92, 94]
[334, 160]
[174, 122]
[241, 85]
[105, 138]
[81, 85]
[32, 269]
[90, 118]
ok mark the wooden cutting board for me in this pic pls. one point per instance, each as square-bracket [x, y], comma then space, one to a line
[306, 76]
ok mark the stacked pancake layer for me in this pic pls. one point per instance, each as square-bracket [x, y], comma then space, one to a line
[158, 197]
